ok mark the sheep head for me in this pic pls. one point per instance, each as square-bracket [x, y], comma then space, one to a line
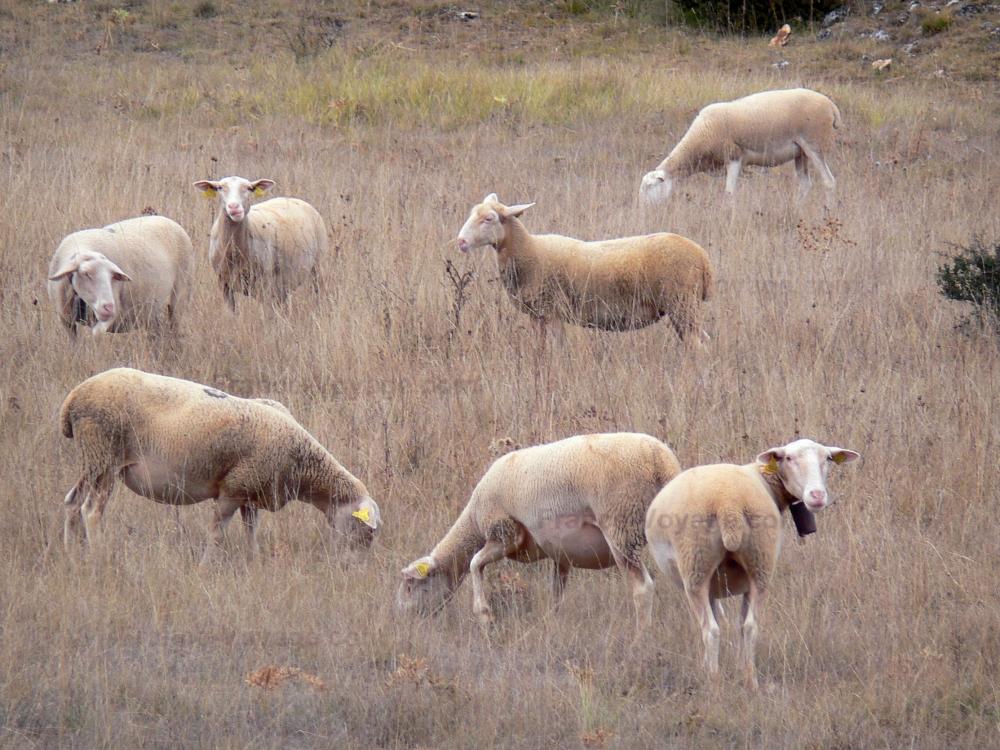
[656, 187]
[425, 587]
[802, 467]
[234, 194]
[97, 281]
[485, 225]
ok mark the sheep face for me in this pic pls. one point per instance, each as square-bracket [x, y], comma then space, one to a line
[358, 523]
[485, 225]
[802, 467]
[656, 187]
[425, 587]
[97, 281]
[234, 193]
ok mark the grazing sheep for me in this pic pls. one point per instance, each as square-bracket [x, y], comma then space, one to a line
[180, 443]
[765, 129]
[265, 251]
[613, 285]
[133, 274]
[578, 501]
[719, 528]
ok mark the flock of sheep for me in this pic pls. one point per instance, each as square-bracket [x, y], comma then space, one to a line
[590, 501]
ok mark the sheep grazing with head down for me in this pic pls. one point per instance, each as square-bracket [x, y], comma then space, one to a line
[719, 528]
[266, 250]
[765, 129]
[579, 502]
[179, 443]
[133, 274]
[613, 285]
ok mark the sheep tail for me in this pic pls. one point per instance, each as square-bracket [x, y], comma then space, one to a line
[837, 121]
[734, 528]
[66, 419]
[707, 282]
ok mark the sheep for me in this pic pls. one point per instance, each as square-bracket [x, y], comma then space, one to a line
[579, 501]
[764, 129]
[265, 251]
[612, 285]
[179, 443]
[136, 273]
[718, 529]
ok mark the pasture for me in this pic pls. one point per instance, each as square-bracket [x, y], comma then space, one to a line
[413, 368]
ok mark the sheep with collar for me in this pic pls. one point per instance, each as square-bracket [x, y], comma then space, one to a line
[718, 528]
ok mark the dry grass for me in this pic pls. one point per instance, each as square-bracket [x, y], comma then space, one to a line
[883, 629]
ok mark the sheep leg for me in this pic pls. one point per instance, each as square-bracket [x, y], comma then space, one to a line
[560, 574]
[250, 514]
[802, 170]
[95, 500]
[819, 162]
[752, 599]
[491, 552]
[73, 528]
[732, 174]
[227, 292]
[225, 509]
[701, 607]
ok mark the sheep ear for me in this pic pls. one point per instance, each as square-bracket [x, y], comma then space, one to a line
[68, 268]
[208, 188]
[843, 456]
[259, 187]
[117, 274]
[368, 513]
[769, 459]
[518, 210]
[420, 569]
[491, 198]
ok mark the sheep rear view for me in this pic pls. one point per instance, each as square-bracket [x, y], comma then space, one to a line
[612, 285]
[579, 502]
[135, 273]
[718, 528]
[764, 129]
[179, 442]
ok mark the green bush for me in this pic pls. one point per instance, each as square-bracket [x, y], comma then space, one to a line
[973, 275]
[935, 23]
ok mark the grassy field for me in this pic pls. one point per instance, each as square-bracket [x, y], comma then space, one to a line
[883, 629]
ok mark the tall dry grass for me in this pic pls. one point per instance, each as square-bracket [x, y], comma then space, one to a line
[882, 630]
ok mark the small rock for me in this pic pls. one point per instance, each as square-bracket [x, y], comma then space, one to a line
[780, 65]
[834, 16]
[824, 34]
[911, 49]
[468, 15]
[876, 9]
[881, 36]
[914, 6]
[902, 18]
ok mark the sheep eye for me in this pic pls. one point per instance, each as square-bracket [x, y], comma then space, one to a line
[488, 218]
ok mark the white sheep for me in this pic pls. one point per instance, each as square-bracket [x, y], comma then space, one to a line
[764, 129]
[613, 285]
[267, 250]
[133, 274]
[579, 502]
[718, 527]
[179, 442]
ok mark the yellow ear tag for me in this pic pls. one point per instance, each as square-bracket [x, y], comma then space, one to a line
[422, 569]
[208, 193]
[771, 467]
[362, 515]
[839, 458]
[258, 191]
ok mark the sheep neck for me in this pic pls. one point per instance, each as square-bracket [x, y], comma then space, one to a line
[325, 483]
[516, 254]
[782, 497]
[234, 239]
[454, 552]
